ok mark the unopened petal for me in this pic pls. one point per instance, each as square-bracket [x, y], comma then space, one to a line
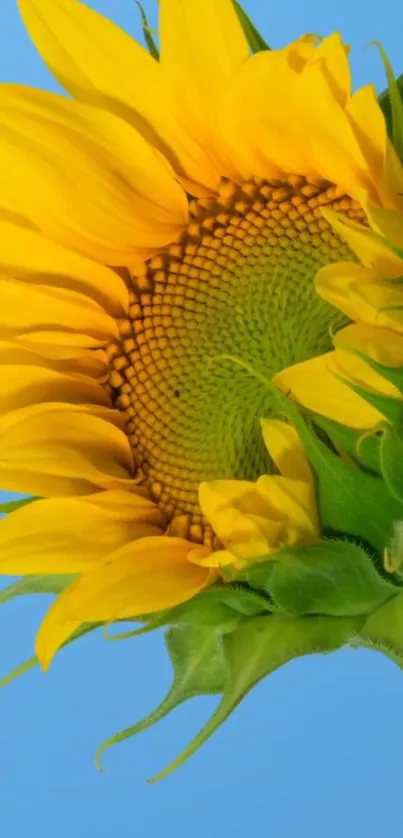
[243, 519]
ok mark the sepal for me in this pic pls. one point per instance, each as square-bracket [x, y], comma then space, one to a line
[331, 578]
[254, 38]
[147, 33]
[391, 102]
[351, 500]
[256, 649]
[199, 669]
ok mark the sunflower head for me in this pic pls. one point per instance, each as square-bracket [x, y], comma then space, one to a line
[183, 258]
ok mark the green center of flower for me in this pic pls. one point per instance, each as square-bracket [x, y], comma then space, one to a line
[235, 294]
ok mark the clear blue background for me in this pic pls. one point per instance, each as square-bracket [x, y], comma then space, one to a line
[316, 751]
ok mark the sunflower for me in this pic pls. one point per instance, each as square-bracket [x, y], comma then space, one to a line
[161, 232]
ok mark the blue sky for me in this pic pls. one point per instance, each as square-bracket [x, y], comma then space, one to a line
[314, 751]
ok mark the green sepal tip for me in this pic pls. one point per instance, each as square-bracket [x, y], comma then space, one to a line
[148, 33]
[255, 39]
[40, 583]
[198, 664]
[260, 646]
[12, 505]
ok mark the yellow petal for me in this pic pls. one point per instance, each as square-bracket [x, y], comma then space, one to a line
[60, 449]
[332, 141]
[57, 351]
[262, 109]
[28, 384]
[27, 254]
[296, 500]
[202, 45]
[335, 282]
[219, 559]
[99, 206]
[286, 450]
[388, 223]
[100, 64]
[369, 126]
[383, 345]
[127, 506]
[55, 345]
[370, 251]
[71, 535]
[47, 646]
[149, 575]
[27, 307]
[226, 558]
[293, 491]
[314, 385]
[355, 369]
[157, 195]
[253, 520]
[271, 108]
[373, 303]
[332, 54]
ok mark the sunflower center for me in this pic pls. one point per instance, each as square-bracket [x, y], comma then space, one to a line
[239, 283]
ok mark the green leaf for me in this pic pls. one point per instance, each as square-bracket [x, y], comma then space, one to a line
[258, 575]
[362, 448]
[350, 499]
[333, 578]
[147, 33]
[386, 105]
[391, 458]
[255, 40]
[395, 102]
[260, 646]
[11, 505]
[36, 584]
[199, 669]
[390, 407]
